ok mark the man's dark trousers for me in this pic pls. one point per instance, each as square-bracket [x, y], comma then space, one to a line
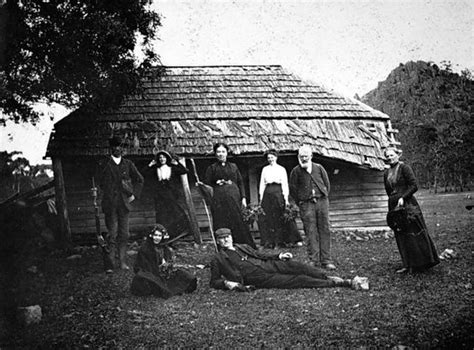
[315, 217]
[284, 274]
[117, 223]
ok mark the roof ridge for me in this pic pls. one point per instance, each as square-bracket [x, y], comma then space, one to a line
[218, 66]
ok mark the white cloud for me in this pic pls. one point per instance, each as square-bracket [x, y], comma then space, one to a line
[30, 139]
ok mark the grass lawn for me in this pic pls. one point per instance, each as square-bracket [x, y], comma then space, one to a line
[83, 307]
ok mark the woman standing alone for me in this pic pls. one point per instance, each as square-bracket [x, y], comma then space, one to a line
[416, 248]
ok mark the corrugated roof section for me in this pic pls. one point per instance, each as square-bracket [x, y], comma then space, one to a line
[187, 109]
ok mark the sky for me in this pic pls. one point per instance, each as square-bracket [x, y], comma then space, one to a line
[346, 46]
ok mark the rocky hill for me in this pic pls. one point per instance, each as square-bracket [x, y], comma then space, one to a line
[433, 108]
[415, 90]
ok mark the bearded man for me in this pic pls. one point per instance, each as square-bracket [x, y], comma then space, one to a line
[309, 187]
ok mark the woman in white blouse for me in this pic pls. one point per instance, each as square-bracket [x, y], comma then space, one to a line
[165, 184]
[274, 192]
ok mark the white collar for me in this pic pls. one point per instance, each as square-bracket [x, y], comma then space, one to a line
[163, 172]
[116, 160]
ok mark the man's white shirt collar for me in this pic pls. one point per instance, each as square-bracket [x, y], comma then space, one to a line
[116, 160]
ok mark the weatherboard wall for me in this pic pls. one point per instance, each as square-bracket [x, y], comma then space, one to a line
[357, 198]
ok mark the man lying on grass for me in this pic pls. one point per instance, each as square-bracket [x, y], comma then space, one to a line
[240, 267]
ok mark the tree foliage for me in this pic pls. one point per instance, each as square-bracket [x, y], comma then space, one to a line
[73, 52]
[447, 141]
[14, 174]
[433, 108]
[17, 175]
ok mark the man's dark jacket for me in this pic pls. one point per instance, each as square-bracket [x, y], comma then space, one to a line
[223, 270]
[110, 178]
[301, 183]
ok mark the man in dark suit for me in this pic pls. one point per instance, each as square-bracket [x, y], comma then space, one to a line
[121, 183]
[309, 187]
[240, 267]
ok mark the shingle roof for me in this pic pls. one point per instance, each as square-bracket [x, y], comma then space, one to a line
[188, 109]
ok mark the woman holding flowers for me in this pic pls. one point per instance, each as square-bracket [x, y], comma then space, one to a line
[277, 226]
[155, 271]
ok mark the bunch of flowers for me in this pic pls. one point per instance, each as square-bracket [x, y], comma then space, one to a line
[290, 213]
[251, 213]
[167, 270]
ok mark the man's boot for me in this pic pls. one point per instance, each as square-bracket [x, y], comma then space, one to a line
[123, 256]
[340, 282]
[112, 257]
[108, 263]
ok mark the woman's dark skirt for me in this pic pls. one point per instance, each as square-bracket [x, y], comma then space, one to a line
[146, 283]
[226, 212]
[415, 245]
[274, 230]
[170, 211]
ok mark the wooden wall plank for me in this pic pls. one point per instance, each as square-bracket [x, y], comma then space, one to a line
[357, 197]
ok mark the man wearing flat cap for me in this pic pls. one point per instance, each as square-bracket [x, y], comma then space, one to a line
[240, 267]
[121, 183]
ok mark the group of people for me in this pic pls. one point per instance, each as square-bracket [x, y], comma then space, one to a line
[121, 183]
[241, 266]
[308, 185]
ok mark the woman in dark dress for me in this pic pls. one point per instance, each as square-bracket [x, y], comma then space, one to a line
[170, 204]
[274, 192]
[229, 196]
[154, 271]
[416, 248]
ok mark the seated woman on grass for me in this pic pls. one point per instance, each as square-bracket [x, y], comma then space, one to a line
[155, 273]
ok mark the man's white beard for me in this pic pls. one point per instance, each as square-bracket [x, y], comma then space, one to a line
[304, 165]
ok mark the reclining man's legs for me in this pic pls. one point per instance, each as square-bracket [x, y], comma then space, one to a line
[287, 281]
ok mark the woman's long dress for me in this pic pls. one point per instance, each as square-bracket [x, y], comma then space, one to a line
[227, 201]
[150, 277]
[170, 204]
[274, 230]
[416, 248]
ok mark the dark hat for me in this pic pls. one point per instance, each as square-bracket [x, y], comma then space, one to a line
[166, 154]
[223, 232]
[115, 141]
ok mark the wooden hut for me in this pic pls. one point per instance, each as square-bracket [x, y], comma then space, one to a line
[185, 110]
